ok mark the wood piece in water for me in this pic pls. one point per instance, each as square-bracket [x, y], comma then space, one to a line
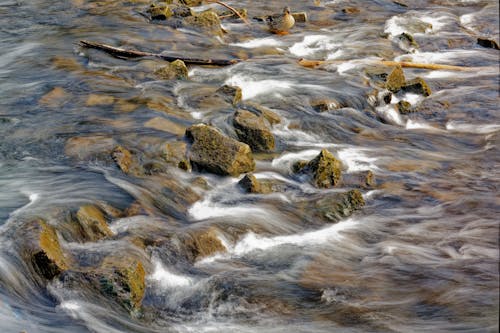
[123, 53]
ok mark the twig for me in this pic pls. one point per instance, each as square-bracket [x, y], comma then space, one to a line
[231, 9]
[122, 53]
[316, 63]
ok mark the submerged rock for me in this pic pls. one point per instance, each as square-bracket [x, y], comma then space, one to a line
[166, 11]
[122, 158]
[395, 80]
[324, 168]
[40, 248]
[207, 21]
[361, 179]
[417, 86]
[214, 152]
[253, 130]
[203, 243]
[89, 147]
[93, 223]
[337, 206]
[230, 94]
[176, 70]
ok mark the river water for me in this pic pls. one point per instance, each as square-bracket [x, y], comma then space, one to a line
[420, 256]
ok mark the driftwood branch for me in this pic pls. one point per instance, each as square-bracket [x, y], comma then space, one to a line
[316, 63]
[122, 53]
[231, 9]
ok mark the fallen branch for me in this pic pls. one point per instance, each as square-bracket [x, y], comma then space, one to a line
[122, 53]
[231, 9]
[316, 63]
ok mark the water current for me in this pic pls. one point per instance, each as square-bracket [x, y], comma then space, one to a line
[422, 254]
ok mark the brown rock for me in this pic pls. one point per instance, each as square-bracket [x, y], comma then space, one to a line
[214, 152]
[250, 184]
[203, 243]
[230, 94]
[175, 70]
[165, 125]
[323, 105]
[122, 158]
[395, 80]
[417, 86]
[362, 179]
[207, 21]
[93, 223]
[253, 130]
[324, 168]
[87, 147]
[55, 98]
[99, 100]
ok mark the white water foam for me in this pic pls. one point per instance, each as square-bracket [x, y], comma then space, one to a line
[389, 113]
[438, 57]
[251, 88]
[414, 124]
[472, 128]
[259, 42]
[168, 280]
[355, 159]
[313, 44]
[207, 209]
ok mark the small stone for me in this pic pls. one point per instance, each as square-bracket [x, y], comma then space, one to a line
[350, 10]
[122, 158]
[89, 147]
[175, 70]
[300, 17]
[203, 243]
[417, 86]
[230, 94]
[395, 80]
[404, 107]
[253, 130]
[324, 105]
[361, 179]
[326, 170]
[250, 184]
[55, 98]
[207, 21]
[339, 205]
[214, 152]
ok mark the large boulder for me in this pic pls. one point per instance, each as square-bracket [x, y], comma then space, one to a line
[324, 169]
[214, 152]
[41, 250]
[253, 130]
[207, 22]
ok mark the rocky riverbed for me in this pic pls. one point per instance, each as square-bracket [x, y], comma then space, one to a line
[340, 177]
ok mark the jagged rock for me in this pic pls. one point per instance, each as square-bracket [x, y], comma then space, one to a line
[417, 86]
[122, 158]
[395, 80]
[404, 107]
[362, 179]
[324, 168]
[214, 152]
[250, 184]
[253, 130]
[337, 206]
[207, 21]
[175, 70]
[488, 43]
[203, 243]
[40, 248]
[191, 3]
[230, 94]
[93, 223]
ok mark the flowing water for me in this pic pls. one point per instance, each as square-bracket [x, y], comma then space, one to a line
[420, 256]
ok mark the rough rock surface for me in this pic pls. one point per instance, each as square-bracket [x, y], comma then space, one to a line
[417, 86]
[175, 70]
[93, 223]
[250, 184]
[325, 169]
[253, 130]
[395, 80]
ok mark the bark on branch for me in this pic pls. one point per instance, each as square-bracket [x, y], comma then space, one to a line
[123, 53]
[231, 9]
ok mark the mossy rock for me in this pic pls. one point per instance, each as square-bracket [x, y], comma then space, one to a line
[176, 70]
[324, 105]
[408, 39]
[122, 158]
[230, 94]
[339, 205]
[202, 243]
[207, 21]
[250, 184]
[404, 107]
[395, 80]
[93, 223]
[417, 86]
[166, 11]
[253, 130]
[40, 248]
[324, 168]
[214, 152]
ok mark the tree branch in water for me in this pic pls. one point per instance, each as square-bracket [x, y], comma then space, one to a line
[122, 53]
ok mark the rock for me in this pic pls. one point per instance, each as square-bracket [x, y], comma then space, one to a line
[407, 41]
[395, 80]
[214, 152]
[362, 179]
[122, 158]
[417, 86]
[55, 98]
[165, 125]
[176, 153]
[191, 3]
[40, 248]
[99, 100]
[350, 10]
[93, 223]
[176, 70]
[253, 130]
[207, 21]
[203, 243]
[258, 109]
[324, 168]
[250, 184]
[300, 17]
[404, 107]
[89, 147]
[337, 206]
[164, 12]
[230, 94]
[323, 105]
[488, 43]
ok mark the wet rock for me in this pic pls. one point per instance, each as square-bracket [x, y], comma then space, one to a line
[166, 11]
[230, 94]
[250, 184]
[93, 223]
[99, 100]
[300, 17]
[40, 248]
[89, 147]
[337, 206]
[191, 3]
[417, 86]
[404, 107]
[122, 158]
[165, 125]
[362, 179]
[258, 109]
[324, 168]
[395, 80]
[324, 105]
[203, 243]
[350, 10]
[488, 43]
[253, 130]
[214, 152]
[176, 70]
[175, 152]
[407, 41]
[207, 21]
[55, 98]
